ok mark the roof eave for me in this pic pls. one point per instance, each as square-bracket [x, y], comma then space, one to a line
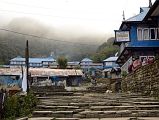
[151, 10]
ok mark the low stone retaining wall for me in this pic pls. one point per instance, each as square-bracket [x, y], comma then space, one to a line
[48, 88]
[144, 80]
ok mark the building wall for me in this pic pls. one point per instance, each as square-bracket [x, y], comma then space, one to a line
[142, 43]
[126, 65]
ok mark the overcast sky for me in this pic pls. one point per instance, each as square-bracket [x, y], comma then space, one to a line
[101, 16]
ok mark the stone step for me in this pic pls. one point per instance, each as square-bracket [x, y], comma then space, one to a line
[53, 108]
[123, 118]
[119, 113]
[61, 114]
[145, 100]
[59, 97]
[53, 93]
[139, 107]
[146, 103]
[103, 114]
[67, 119]
[42, 114]
[42, 118]
[54, 104]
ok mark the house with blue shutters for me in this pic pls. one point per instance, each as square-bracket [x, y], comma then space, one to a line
[138, 36]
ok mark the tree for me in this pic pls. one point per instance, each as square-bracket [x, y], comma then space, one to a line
[105, 50]
[62, 62]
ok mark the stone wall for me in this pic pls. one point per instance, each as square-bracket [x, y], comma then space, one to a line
[144, 80]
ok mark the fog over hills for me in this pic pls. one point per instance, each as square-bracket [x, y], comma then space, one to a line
[73, 42]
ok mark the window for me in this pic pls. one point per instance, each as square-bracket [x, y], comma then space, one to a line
[146, 34]
[152, 33]
[108, 63]
[142, 58]
[157, 30]
[139, 34]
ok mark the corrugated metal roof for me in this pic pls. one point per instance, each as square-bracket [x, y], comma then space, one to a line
[140, 16]
[10, 71]
[73, 63]
[86, 60]
[54, 72]
[42, 72]
[110, 59]
[34, 60]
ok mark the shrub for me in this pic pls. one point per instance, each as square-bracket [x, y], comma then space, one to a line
[19, 106]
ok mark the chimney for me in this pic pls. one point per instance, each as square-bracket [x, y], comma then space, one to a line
[150, 3]
[123, 16]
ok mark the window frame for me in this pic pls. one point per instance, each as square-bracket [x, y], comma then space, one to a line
[138, 34]
[157, 33]
[147, 33]
[154, 33]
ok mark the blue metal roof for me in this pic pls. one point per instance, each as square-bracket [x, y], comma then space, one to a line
[73, 63]
[111, 59]
[87, 60]
[140, 16]
[34, 60]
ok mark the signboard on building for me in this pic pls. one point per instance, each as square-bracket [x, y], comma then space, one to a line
[122, 36]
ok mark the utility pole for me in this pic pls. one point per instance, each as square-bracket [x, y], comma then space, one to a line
[27, 64]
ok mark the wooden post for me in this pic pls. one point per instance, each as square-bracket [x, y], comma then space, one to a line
[27, 64]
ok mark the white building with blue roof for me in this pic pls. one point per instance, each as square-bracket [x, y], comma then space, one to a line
[33, 62]
[110, 68]
[110, 62]
[88, 66]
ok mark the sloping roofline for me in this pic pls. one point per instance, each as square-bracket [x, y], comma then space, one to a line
[156, 3]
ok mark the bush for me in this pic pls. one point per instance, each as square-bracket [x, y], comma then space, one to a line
[19, 106]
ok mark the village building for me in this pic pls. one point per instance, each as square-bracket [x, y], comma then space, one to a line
[110, 68]
[89, 67]
[138, 38]
[33, 62]
[11, 79]
[73, 64]
[56, 77]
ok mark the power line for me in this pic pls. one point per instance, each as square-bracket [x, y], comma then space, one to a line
[12, 11]
[50, 39]
[39, 14]
[32, 6]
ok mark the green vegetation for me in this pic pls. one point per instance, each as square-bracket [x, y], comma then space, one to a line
[19, 106]
[62, 62]
[13, 45]
[105, 50]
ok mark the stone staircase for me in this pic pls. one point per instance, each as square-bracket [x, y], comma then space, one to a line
[95, 106]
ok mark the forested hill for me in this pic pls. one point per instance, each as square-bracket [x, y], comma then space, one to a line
[12, 44]
[105, 50]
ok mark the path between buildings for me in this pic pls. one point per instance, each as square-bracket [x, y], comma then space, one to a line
[95, 106]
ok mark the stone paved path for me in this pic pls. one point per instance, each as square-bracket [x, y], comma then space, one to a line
[95, 106]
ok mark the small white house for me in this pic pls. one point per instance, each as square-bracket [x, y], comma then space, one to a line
[110, 68]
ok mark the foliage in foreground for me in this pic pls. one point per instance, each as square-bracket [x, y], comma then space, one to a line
[19, 106]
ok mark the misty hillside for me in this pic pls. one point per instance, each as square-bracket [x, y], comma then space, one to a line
[105, 50]
[13, 44]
